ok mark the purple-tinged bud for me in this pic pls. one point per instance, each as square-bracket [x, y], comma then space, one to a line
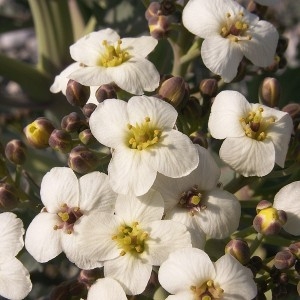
[73, 123]
[208, 87]
[8, 197]
[283, 278]
[239, 249]
[175, 91]
[82, 160]
[86, 137]
[61, 141]
[284, 260]
[77, 94]
[168, 7]
[153, 10]
[199, 138]
[15, 152]
[88, 277]
[268, 220]
[106, 91]
[38, 132]
[269, 92]
[293, 109]
[295, 249]
[159, 26]
[88, 109]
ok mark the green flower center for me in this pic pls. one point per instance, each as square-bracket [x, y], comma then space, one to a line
[131, 239]
[207, 291]
[113, 55]
[235, 28]
[255, 125]
[142, 136]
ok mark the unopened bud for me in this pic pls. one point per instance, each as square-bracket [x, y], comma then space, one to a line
[159, 26]
[269, 92]
[208, 87]
[106, 91]
[82, 160]
[38, 132]
[73, 122]
[8, 197]
[268, 220]
[275, 65]
[199, 138]
[88, 277]
[152, 10]
[293, 109]
[88, 109]
[16, 151]
[295, 249]
[86, 137]
[61, 141]
[174, 91]
[284, 260]
[77, 94]
[239, 249]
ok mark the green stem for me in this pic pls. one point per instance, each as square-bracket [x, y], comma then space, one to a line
[237, 183]
[256, 242]
[243, 233]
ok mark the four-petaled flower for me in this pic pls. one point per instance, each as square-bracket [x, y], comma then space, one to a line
[144, 142]
[230, 32]
[256, 136]
[107, 58]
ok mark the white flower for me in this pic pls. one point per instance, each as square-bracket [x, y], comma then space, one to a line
[133, 240]
[230, 32]
[61, 81]
[196, 201]
[15, 282]
[106, 288]
[189, 274]
[256, 136]
[287, 199]
[107, 58]
[144, 142]
[67, 200]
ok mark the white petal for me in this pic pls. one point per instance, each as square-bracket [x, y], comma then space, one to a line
[235, 279]
[108, 123]
[59, 186]
[287, 199]
[11, 234]
[41, 240]
[184, 268]
[135, 75]
[141, 46]
[221, 56]
[106, 288]
[174, 156]
[130, 272]
[222, 215]
[165, 237]
[247, 156]
[95, 192]
[226, 111]
[15, 283]
[130, 172]
[260, 50]
[146, 208]
[162, 115]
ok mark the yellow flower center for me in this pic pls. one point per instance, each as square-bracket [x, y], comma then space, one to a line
[131, 239]
[68, 216]
[235, 28]
[142, 136]
[207, 291]
[255, 125]
[113, 55]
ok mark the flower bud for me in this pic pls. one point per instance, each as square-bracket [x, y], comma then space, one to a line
[268, 220]
[106, 91]
[88, 109]
[86, 137]
[77, 94]
[269, 92]
[38, 132]
[82, 160]
[61, 141]
[8, 197]
[153, 10]
[16, 151]
[159, 26]
[284, 260]
[239, 249]
[208, 87]
[174, 91]
[199, 138]
[293, 109]
[73, 123]
[295, 249]
[88, 277]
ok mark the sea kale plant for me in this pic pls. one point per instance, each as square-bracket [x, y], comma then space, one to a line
[153, 151]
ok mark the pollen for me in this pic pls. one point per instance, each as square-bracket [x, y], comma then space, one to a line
[209, 290]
